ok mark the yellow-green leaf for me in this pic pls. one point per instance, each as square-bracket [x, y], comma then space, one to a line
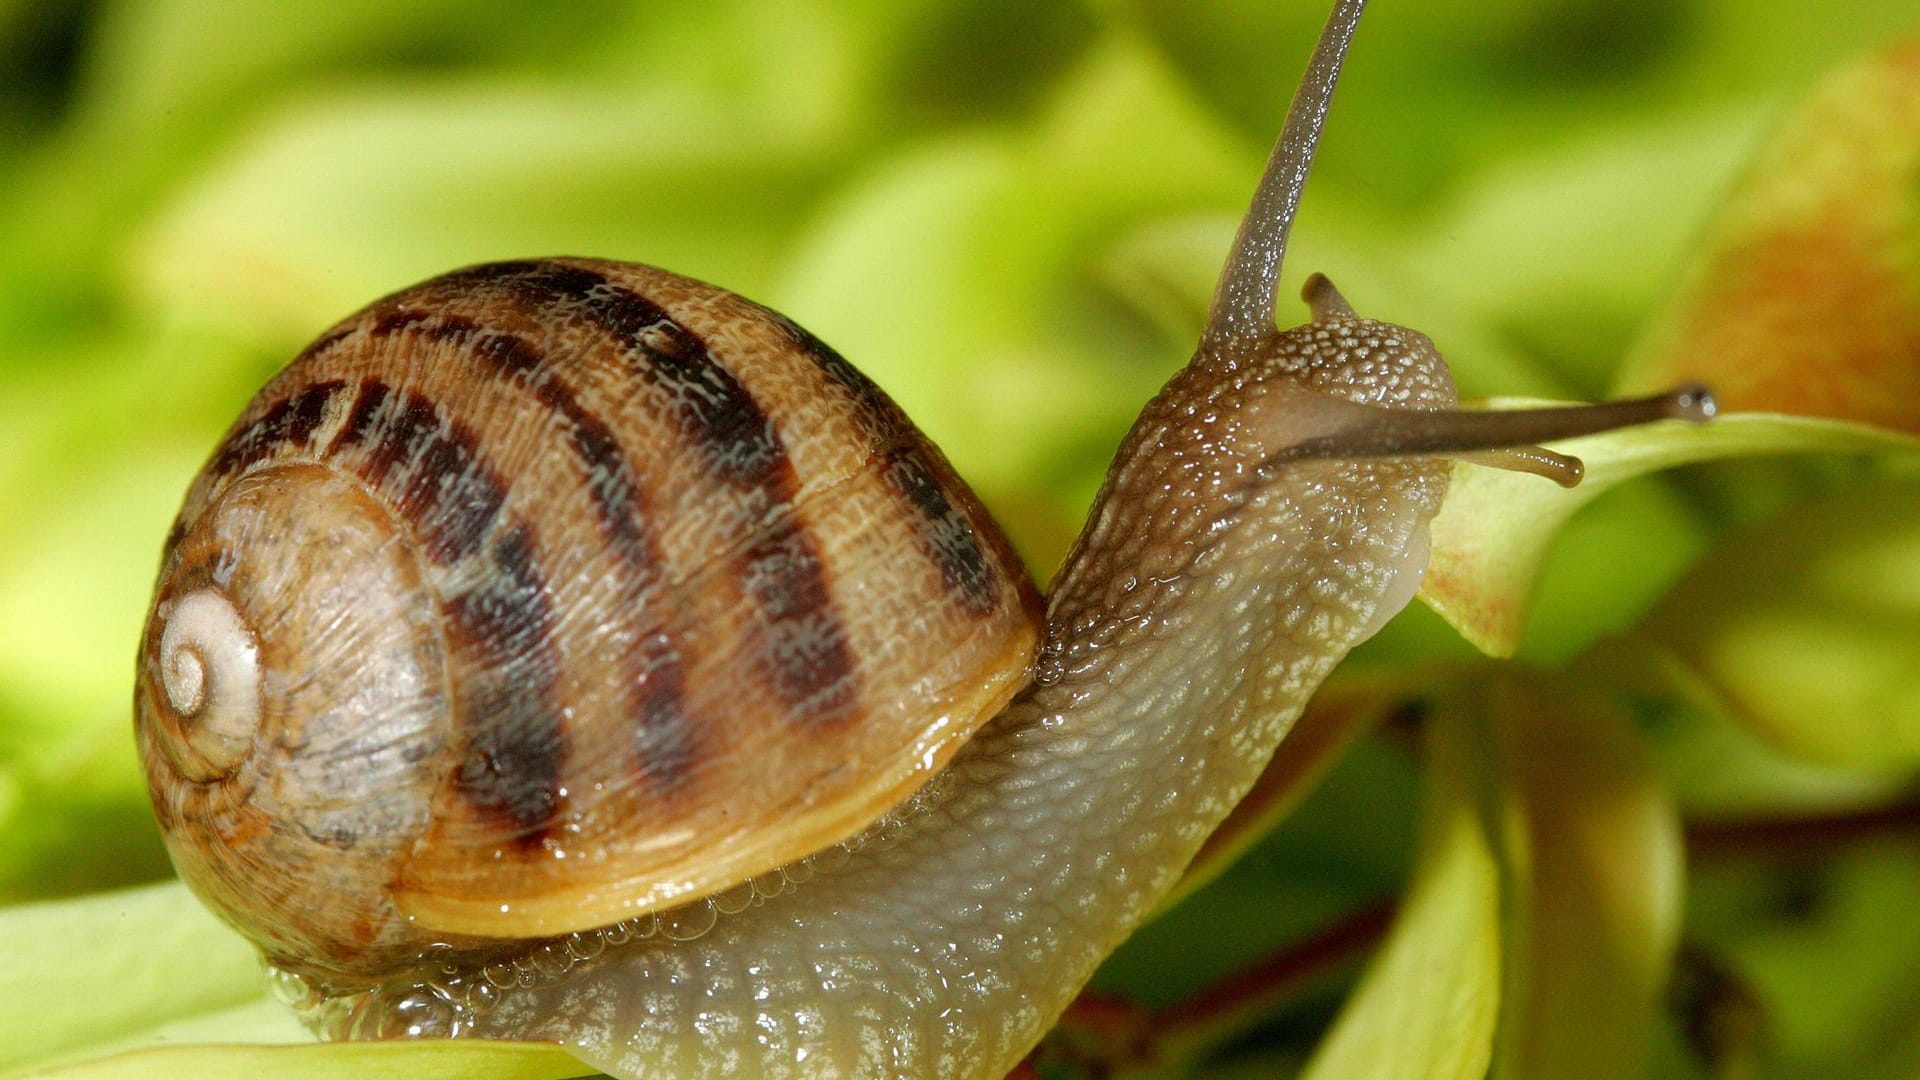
[1806, 298]
[333, 1061]
[1427, 1005]
[1495, 530]
[1807, 628]
[306, 219]
[1592, 852]
[113, 984]
[93, 970]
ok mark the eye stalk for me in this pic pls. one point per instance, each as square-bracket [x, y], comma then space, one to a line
[1240, 324]
[1380, 357]
[1489, 438]
[1241, 317]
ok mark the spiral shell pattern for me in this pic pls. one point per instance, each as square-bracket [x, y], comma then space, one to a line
[577, 590]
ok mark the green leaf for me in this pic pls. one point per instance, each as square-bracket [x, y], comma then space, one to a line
[1717, 765]
[306, 219]
[1592, 853]
[1426, 1007]
[86, 794]
[1507, 252]
[97, 969]
[72, 591]
[112, 984]
[165, 60]
[1822, 659]
[1496, 528]
[120, 973]
[1343, 710]
[951, 276]
[1831, 950]
[1547, 892]
[334, 1061]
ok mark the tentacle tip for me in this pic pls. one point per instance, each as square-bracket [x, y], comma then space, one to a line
[1324, 300]
[1572, 470]
[1693, 402]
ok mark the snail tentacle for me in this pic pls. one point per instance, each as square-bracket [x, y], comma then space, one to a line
[1240, 318]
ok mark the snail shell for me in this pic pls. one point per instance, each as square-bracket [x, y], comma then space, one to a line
[544, 594]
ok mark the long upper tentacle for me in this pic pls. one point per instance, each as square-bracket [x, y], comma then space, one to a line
[1243, 303]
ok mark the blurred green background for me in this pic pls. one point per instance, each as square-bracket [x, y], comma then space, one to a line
[1008, 213]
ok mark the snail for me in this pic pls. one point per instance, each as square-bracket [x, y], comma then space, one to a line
[569, 650]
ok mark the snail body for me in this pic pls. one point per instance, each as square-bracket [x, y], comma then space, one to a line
[568, 650]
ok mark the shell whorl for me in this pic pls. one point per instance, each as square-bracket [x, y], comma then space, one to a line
[698, 600]
[210, 670]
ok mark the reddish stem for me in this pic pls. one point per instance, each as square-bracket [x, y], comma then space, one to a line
[1708, 840]
[1282, 972]
[1104, 1035]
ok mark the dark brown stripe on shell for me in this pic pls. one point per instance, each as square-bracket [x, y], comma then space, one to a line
[290, 421]
[944, 533]
[802, 642]
[433, 472]
[431, 468]
[362, 417]
[611, 482]
[452, 496]
[408, 422]
[811, 664]
[309, 410]
[665, 736]
[882, 419]
[516, 748]
[727, 428]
